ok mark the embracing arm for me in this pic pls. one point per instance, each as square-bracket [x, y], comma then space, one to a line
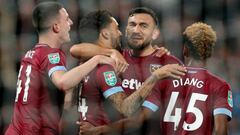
[67, 80]
[128, 105]
[88, 50]
[119, 126]
[220, 124]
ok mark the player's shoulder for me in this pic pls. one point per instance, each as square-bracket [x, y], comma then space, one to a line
[167, 58]
[45, 49]
[104, 68]
[217, 80]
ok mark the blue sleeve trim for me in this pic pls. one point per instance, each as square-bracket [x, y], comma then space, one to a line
[112, 91]
[56, 68]
[222, 111]
[150, 105]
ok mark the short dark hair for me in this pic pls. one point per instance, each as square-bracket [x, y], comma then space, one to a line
[145, 10]
[43, 13]
[91, 25]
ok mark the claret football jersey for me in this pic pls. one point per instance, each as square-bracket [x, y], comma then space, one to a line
[101, 83]
[188, 105]
[140, 68]
[36, 109]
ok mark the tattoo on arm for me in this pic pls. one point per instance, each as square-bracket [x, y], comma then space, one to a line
[129, 105]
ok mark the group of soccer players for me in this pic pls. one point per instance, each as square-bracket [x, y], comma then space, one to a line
[138, 80]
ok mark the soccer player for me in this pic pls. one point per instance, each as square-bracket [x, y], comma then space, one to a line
[143, 62]
[200, 103]
[101, 28]
[36, 110]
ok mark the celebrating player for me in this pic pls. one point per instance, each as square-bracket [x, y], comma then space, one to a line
[200, 102]
[36, 110]
[142, 59]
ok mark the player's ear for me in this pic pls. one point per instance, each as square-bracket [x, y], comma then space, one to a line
[55, 28]
[185, 51]
[156, 34]
[105, 34]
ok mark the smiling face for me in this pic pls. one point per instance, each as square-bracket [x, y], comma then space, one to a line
[139, 31]
[65, 25]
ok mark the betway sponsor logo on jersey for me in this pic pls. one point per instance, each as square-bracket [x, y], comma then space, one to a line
[188, 81]
[132, 84]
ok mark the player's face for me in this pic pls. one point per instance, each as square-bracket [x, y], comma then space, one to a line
[65, 25]
[139, 31]
[115, 34]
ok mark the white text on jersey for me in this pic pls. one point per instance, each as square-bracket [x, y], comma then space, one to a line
[188, 81]
[29, 54]
[132, 84]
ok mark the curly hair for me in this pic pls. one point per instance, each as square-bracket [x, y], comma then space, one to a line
[200, 39]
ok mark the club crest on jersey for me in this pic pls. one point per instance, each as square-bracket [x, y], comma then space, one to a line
[230, 99]
[110, 78]
[54, 58]
[154, 67]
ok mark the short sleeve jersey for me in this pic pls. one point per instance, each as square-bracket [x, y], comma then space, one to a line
[140, 68]
[188, 105]
[101, 83]
[34, 109]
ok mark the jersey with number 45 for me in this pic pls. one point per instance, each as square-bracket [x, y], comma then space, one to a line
[35, 110]
[188, 105]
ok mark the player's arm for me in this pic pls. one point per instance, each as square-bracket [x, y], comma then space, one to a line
[220, 124]
[68, 99]
[67, 80]
[128, 105]
[223, 109]
[88, 50]
[117, 127]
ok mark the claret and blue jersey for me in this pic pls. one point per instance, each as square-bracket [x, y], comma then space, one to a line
[189, 104]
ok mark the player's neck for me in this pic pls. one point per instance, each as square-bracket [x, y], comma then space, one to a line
[49, 40]
[145, 52]
[196, 63]
[104, 44]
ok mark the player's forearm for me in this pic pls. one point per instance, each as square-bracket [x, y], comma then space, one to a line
[118, 126]
[75, 75]
[220, 124]
[88, 50]
[68, 99]
[125, 124]
[135, 100]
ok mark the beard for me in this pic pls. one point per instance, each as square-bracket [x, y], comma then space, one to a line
[137, 46]
[116, 43]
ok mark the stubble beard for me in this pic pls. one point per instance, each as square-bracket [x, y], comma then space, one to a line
[136, 46]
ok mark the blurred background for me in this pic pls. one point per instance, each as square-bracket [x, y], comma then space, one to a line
[17, 36]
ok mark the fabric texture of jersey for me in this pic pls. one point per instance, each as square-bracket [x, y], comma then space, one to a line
[36, 110]
[188, 105]
[139, 69]
[101, 83]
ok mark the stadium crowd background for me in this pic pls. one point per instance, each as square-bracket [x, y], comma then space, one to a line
[17, 36]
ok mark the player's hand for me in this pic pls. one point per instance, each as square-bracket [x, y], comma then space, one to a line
[105, 60]
[87, 128]
[171, 70]
[121, 63]
[161, 51]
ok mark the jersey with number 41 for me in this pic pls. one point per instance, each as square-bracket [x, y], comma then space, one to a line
[36, 110]
[188, 105]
